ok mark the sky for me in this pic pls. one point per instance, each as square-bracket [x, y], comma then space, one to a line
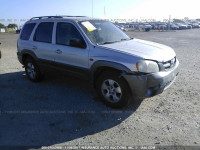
[20, 10]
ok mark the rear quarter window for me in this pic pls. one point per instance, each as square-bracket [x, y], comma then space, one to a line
[27, 30]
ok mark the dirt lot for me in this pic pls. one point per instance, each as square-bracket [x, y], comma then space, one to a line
[64, 110]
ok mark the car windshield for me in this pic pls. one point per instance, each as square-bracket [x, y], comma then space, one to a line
[102, 32]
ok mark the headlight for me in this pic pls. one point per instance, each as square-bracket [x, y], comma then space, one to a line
[147, 66]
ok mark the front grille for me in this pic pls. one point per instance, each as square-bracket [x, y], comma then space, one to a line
[169, 64]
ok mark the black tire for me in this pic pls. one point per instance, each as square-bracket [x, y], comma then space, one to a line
[124, 97]
[29, 62]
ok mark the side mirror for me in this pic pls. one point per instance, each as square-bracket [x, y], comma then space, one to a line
[77, 43]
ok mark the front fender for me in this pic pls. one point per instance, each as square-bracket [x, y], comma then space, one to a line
[103, 63]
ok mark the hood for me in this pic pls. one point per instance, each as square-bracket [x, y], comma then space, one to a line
[144, 49]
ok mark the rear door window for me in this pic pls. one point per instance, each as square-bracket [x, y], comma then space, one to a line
[27, 30]
[44, 32]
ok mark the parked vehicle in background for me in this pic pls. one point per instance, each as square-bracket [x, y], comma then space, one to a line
[136, 26]
[173, 26]
[161, 26]
[146, 26]
[131, 25]
[127, 25]
[189, 26]
[195, 24]
[119, 67]
[122, 27]
[18, 31]
[181, 26]
[143, 26]
[153, 25]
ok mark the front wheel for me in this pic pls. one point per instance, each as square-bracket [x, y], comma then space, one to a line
[113, 90]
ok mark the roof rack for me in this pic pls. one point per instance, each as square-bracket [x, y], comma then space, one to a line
[45, 17]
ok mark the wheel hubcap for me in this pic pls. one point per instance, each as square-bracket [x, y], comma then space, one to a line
[111, 90]
[31, 70]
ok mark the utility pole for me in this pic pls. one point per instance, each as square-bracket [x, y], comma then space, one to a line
[104, 12]
[169, 22]
[92, 8]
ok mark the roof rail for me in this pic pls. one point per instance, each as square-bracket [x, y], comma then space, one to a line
[44, 17]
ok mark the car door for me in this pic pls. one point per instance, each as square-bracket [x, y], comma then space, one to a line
[68, 55]
[42, 42]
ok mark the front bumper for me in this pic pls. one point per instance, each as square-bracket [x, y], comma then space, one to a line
[19, 56]
[151, 84]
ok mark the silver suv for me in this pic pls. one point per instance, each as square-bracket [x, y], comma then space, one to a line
[120, 68]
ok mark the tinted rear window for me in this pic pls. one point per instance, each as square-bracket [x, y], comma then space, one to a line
[27, 30]
[43, 32]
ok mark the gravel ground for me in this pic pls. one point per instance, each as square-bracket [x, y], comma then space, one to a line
[63, 110]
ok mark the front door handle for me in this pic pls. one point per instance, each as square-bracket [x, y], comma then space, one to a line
[34, 47]
[58, 51]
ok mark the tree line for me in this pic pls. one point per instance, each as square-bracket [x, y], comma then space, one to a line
[9, 26]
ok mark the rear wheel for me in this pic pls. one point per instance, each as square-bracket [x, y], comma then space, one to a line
[32, 70]
[113, 90]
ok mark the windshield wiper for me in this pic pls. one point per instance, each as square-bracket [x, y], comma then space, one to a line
[126, 39]
[110, 42]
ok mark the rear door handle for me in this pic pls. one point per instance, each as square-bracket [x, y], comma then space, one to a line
[58, 51]
[34, 47]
